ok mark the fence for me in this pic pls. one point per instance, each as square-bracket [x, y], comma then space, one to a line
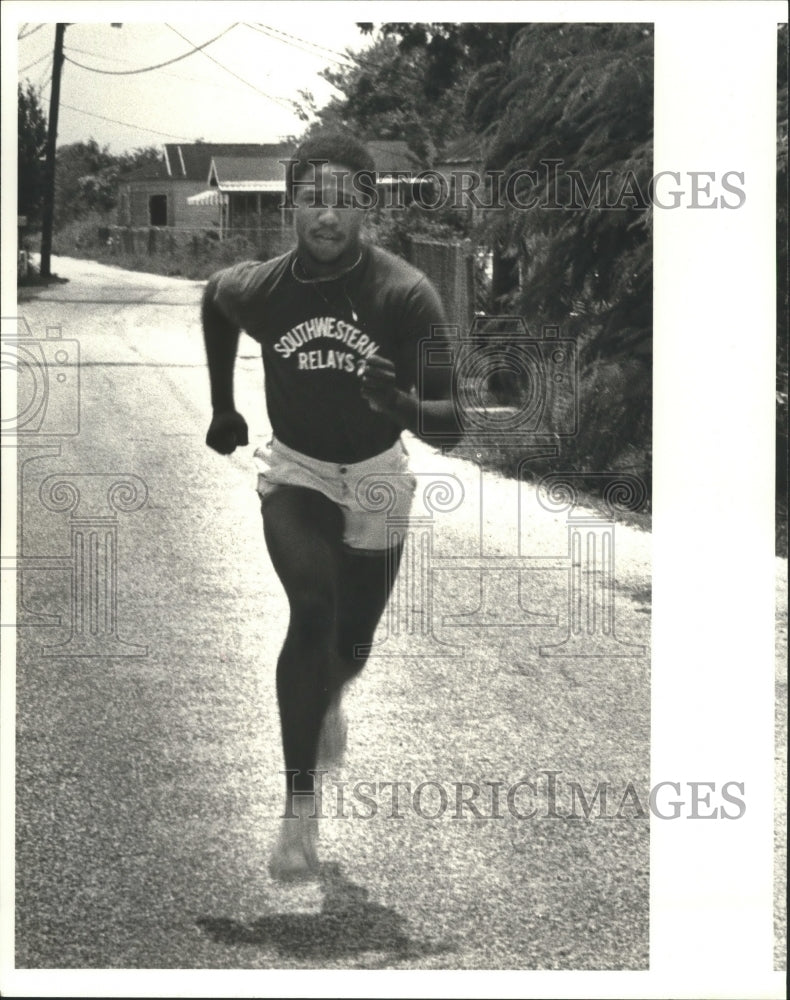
[152, 240]
[450, 266]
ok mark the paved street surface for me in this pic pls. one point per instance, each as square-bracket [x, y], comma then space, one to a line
[148, 755]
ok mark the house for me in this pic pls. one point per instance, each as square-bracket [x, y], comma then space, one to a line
[230, 187]
[157, 194]
[246, 192]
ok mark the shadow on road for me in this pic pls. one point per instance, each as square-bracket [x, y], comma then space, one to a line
[348, 924]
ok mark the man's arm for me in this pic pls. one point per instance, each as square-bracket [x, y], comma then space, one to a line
[228, 428]
[432, 419]
[431, 414]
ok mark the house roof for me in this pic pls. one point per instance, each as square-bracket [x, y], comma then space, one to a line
[255, 163]
[390, 155]
[148, 172]
[246, 174]
[267, 173]
[191, 161]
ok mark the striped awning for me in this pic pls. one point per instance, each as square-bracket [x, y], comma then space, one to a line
[211, 197]
[252, 187]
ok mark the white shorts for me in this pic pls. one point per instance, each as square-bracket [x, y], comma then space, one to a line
[375, 496]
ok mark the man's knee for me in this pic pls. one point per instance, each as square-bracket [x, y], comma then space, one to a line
[312, 616]
[353, 647]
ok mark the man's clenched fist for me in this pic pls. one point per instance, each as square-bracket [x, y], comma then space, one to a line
[379, 385]
[227, 432]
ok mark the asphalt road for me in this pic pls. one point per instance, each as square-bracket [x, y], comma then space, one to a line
[148, 759]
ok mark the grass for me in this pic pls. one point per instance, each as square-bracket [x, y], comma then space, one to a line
[506, 459]
[195, 255]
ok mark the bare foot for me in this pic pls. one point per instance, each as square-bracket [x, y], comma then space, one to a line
[295, 857]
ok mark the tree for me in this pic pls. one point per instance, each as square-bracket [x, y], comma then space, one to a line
[411, 83]
[581, 96]
[32, 141]
[453, 53]
[141, 156]
[75, 196]
[87, 178]
[381, 100]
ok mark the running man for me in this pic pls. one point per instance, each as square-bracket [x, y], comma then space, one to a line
[338, 321]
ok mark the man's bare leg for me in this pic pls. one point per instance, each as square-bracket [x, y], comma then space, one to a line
[366, 581]
[336, 598]
[303, 532]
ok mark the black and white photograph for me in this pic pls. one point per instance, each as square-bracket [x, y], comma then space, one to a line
[394, 496]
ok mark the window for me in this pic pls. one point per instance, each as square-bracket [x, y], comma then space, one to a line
[157, 210]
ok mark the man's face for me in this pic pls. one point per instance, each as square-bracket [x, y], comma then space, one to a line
[327, 224]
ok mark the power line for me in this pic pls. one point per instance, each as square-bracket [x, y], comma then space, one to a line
[147, 69]
[300, 43]
[34, 63]
[288, 105]
[27, 34]
[48, 74]
[115, 121]
[99, 55]
[346, 61]
[174, 76]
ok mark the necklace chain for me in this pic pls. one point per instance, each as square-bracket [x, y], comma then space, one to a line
[328, 277]
[346, 296]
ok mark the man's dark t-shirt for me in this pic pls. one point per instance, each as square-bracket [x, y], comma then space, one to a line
[315, 337]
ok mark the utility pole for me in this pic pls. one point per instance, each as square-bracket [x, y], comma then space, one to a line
[49, 170]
